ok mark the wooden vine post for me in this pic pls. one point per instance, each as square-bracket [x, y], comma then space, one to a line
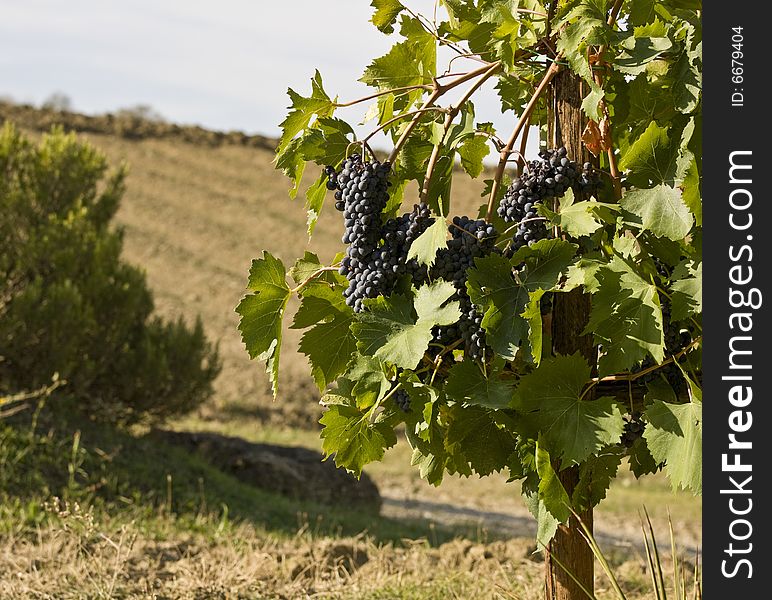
[570, 315]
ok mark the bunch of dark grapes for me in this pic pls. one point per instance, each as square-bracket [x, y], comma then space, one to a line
[633, 429]
[470, 239]
[398, 235]
[361, 194]
[547, 177]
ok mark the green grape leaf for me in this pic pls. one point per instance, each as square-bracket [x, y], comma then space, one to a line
[692, 194]
[545, 262]
[314, 201]
[491, 286]
[262, 311]
[472, 153]
[662, 211]
[411, 62]
[583, 273]
[484, 437]
[654, 158]
[319, 303]
[551, 490]
[674, 436]
[576, 219]
[371, 381]
[308, 265]
[390, 332]
[595, 477]
[292, 163]
[626, 318]
[467, 383]
[572, 428]
[590, 104]
[687, 75]
[640, 459]
[644, 45]
[302, 110]
[424, 248]
[354, 441]
[546, 523]
[329, 347]
[687, 294]
[532, 314]
[386, 14]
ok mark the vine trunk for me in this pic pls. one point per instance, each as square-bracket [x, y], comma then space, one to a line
[570, 315]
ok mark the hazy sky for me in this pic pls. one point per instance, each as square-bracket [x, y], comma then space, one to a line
[224, 65]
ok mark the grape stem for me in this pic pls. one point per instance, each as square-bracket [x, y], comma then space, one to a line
[449, 117]
[407, 88]
[413, 113]
[524, 118]
[439, 90]
[633, 376]
[311, 277]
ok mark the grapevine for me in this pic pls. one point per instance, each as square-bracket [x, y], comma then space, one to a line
[453, 327]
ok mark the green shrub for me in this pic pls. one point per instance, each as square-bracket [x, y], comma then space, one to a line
[69, 305]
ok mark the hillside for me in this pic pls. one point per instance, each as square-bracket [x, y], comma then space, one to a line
[199, 207]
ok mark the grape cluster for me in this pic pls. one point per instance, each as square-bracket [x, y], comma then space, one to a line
[549, 176]
[470, 239]
[376, 256]
[633, 429]
[361, 194]
[398, 235]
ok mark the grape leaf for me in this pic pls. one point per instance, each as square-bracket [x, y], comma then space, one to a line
[572, 428]
[314, 201]
[687, 294]
[352, 439]
[626, 318]
[371, 382]
[661, 209]
[472, 153]
[644, 45]
[424, 248]
[546, 523]
[411, 62]
[641, 461]
[545, 262]
[390, 332]
[674, 436]
[532, 314]
[262, 311]
[329, 347]
[687, 75]
[576, 219]
[467, 383]
[483, 437]
[692, 194]
[319, 303]
[308, 265]
[595, 476]
[302, 110]
[386, 14]
[491, 286]
[551, 490]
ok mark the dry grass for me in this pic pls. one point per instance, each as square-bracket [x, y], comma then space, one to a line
[79, 555]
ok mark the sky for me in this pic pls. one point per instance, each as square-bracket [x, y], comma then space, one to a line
[223, 65]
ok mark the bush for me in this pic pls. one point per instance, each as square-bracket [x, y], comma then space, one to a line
[69, 305]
